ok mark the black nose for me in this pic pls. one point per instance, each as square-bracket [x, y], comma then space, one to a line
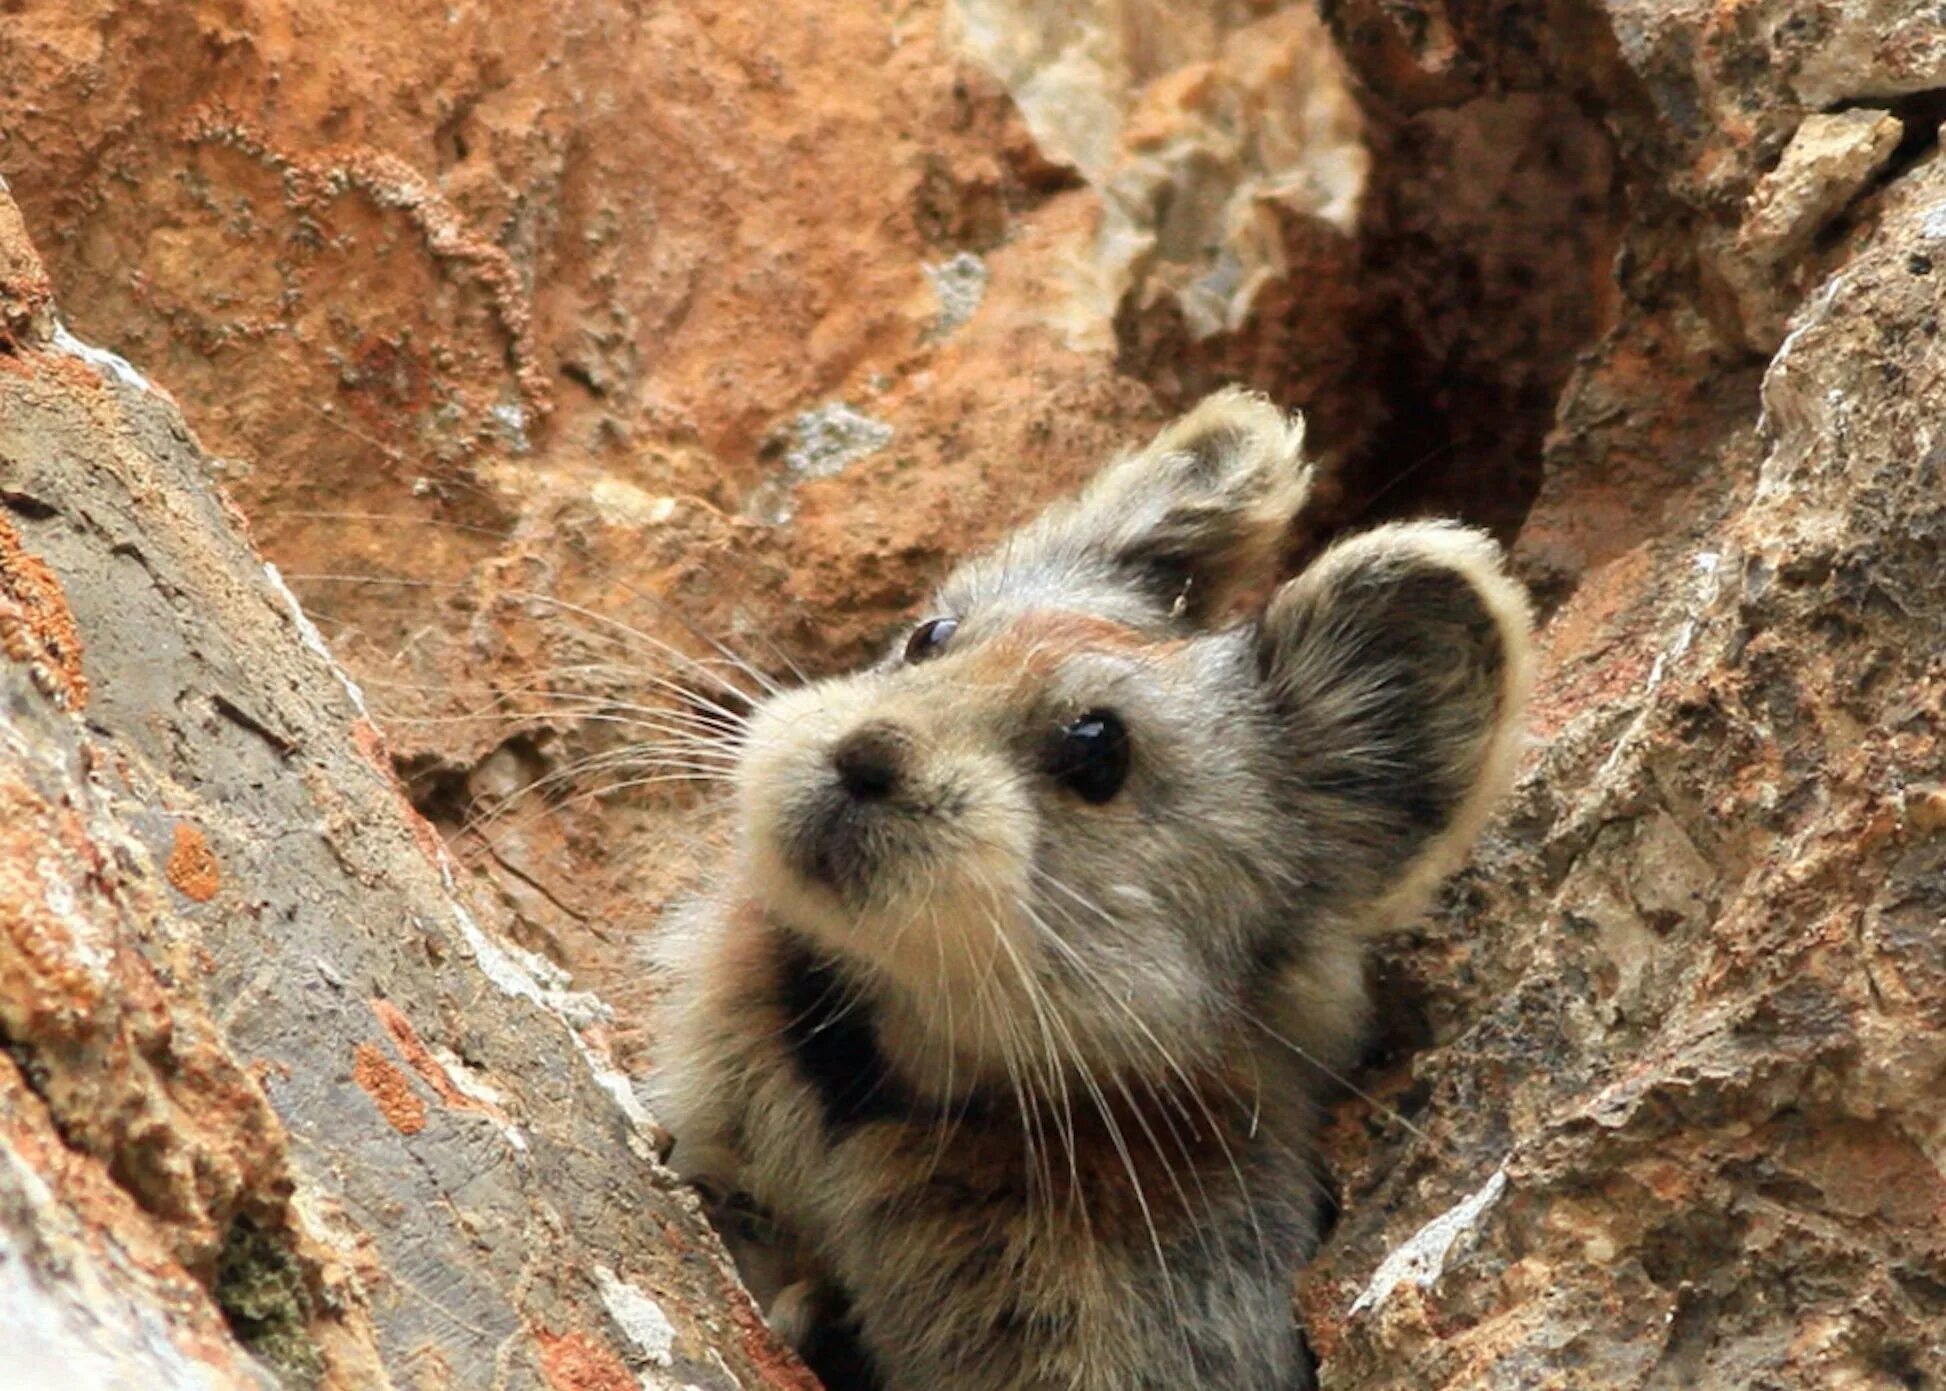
[868, 761]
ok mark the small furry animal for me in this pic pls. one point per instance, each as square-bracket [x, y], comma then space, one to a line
[1013, 1013]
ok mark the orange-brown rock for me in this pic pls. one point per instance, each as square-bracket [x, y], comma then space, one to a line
[220, 1164]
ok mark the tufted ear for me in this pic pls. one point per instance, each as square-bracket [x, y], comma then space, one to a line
[1399, 664]
[1201, 512]
[1171, 532]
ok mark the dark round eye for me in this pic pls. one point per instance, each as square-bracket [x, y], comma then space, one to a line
[929, 639]
[1091, 757]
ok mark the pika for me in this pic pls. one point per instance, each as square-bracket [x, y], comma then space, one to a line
[1014, 1009]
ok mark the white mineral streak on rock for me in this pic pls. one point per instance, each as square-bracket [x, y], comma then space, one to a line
[527, 976]
[308, 633]
[100, 359]
[468, 1082]
[521, 973]
[1422, 1259]
[640, 1318]
[1702, 595]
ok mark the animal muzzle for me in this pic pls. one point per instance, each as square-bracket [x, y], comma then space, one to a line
[843, 832]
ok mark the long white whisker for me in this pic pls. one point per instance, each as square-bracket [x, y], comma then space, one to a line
[615, 626]
[1116, 1138]
[1189, 1086]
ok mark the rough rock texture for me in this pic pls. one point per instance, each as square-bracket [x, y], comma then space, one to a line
[1677, 1075]
[545, 346]
[1207, 129]
[273, 1106]
[1688, 1010]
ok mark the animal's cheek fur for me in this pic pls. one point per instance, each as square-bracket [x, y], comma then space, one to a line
[776, 777]
[1124, 975]
[783, 760]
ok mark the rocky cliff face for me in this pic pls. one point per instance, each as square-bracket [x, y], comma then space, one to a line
[543, 347]
[1680, 1117]
[274, 1107]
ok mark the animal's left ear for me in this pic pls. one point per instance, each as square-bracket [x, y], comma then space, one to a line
[1184, 524]
[1399, 664]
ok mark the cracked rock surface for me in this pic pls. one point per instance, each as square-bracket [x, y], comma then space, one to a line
[1677, 1081]
[274, 1109]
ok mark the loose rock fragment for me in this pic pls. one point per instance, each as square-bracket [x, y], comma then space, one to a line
[1828, 162]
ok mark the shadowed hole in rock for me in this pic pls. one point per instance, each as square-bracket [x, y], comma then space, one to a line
[1470, 285]
[452, 797]
[32, 508]
[583, 376]
[261, 1289]
[437, 789]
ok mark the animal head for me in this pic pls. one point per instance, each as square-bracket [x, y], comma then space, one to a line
[1078, 797]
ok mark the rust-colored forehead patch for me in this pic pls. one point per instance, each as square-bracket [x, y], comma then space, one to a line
[1034, 644]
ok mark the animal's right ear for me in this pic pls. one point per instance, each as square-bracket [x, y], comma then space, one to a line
[1399, 663]
[1186, 523]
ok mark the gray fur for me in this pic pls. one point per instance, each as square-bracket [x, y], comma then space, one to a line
[1034, 1082]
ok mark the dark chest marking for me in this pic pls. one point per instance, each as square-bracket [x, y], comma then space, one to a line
[833, 1038]
[1143, 1147]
